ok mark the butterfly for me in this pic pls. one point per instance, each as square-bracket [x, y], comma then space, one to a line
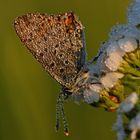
[58, 43]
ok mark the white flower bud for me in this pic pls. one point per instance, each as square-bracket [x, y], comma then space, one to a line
[92, 94]
[113, 61]
[128, 44]
[110, 79]
[114, 48]
[129, 103]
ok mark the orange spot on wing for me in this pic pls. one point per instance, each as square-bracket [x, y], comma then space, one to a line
[69, 20]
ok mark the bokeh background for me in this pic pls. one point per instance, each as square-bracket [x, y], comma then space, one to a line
[28, 94]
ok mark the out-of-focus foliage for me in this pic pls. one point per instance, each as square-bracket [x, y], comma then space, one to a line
[28, 94]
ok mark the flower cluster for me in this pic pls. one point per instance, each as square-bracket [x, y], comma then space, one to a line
[111, 80]
[106, 82]
[130, 108]
[117, 68]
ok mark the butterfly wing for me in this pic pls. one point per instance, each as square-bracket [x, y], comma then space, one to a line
[56, 41]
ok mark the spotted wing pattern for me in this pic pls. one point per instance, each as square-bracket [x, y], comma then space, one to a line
[56, 41]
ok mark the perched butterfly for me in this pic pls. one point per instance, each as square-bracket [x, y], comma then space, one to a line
[57, 42]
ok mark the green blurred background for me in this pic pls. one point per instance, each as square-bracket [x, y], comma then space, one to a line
[28, 94]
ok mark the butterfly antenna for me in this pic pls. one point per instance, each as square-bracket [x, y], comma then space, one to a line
[58, 113]
[61, 113]
[65, 123]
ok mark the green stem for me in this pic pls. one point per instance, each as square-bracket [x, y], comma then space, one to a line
[126, 68]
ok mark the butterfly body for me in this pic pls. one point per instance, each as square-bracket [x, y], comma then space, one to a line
[58, 43]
